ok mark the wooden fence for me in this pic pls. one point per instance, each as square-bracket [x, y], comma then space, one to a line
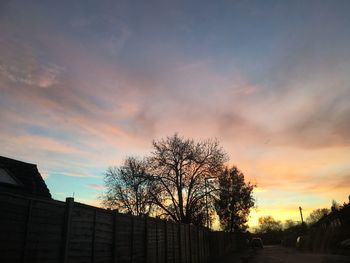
[328, 232]
[41, 230]
[324, 236]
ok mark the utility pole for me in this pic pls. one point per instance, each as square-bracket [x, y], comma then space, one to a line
[301, 215]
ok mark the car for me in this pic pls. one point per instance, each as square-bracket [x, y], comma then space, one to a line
[256, 242]
[301, 242]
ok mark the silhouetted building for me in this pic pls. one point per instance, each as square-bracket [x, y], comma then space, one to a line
[21, 178]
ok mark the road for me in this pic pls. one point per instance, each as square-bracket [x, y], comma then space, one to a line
[277, 254]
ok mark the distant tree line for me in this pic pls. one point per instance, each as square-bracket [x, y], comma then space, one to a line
[274, 231]
[184, 181]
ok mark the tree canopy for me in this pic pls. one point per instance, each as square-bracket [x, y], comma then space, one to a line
[235, 199]
[316, 215]
[179, 168]
[128, 188]
[269, 224]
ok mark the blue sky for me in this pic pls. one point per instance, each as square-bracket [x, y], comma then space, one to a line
[84, 84]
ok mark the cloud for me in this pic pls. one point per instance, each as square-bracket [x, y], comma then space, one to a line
[330, 184]
[46, 144]
[323, 127]
[74, 174]
[96, 186]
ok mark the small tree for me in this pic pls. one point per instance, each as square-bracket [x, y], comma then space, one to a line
[269, 224]
[234, 200]
[128, 188]
[316, 215]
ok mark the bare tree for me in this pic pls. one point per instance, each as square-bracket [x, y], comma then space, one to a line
[316, 215]
[128, 188]
[179, 168]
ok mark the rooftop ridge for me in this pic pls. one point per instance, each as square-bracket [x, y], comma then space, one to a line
[16, 161]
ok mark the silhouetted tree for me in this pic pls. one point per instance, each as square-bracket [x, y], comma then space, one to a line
[269, 224]
[128, 188]
[234, 200]
[316, 215]
[178, 169]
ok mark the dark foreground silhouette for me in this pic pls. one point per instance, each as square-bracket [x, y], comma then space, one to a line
[278, 254]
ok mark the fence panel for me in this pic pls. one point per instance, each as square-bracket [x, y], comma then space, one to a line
[13, 225]
[152, 250]
[124, 231]
[44, 236]
[41, 230]
[139, 240]
[103, 242]
[81, 235]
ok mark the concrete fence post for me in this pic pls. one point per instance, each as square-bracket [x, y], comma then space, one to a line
[67, 228]
[173, 240]
[157, 243]
[198, 246]
[115, 236]
[190, 242]
[28, 221]
[166, 241]
[93, 237]
[146, 240]
[132, 239]
[179, 240]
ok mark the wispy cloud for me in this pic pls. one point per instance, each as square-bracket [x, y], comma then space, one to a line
[96, 186]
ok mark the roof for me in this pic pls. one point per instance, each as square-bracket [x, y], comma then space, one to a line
[26, 177]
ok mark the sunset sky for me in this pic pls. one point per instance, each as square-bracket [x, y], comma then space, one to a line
[84, 84]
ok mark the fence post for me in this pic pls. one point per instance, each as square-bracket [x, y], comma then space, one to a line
[180, 245]
[115, 236]
[146, 239]
[173, 241]
[166, 241]
[67, 228]
[157, 250]
[29, 215]
[198, 245]
[190, 241]
[93, 237]
[186, 244]
[207, 246]
[132, 238]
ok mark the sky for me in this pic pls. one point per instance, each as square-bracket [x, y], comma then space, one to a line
[83, 84]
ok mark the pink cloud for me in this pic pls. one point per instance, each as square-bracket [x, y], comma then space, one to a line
[96, 186]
